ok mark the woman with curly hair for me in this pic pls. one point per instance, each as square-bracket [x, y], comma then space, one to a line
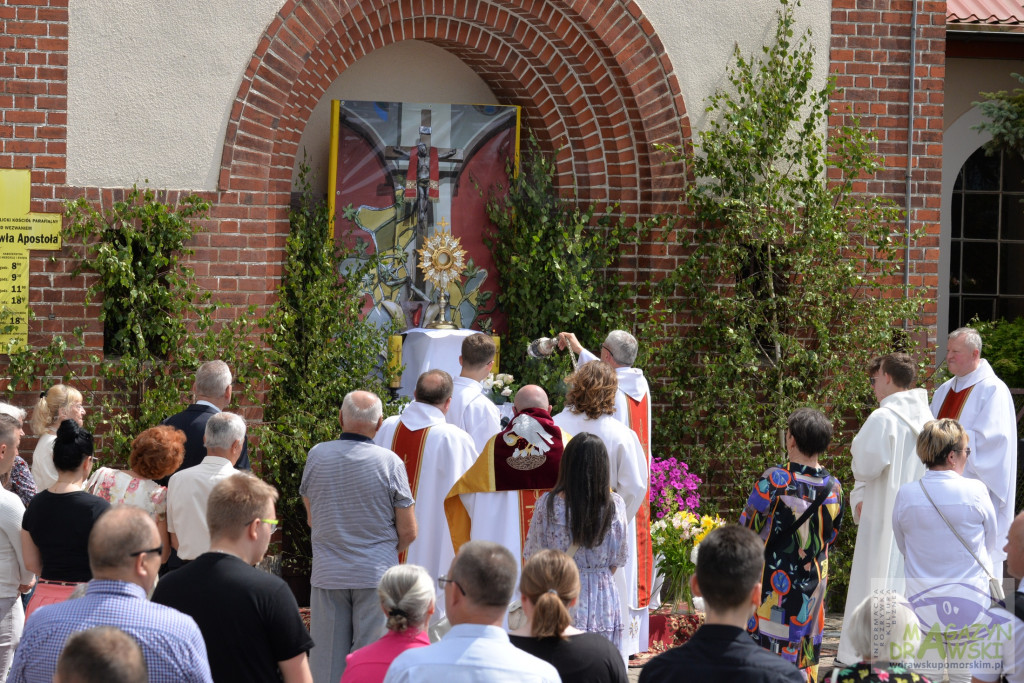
[56, 526]
[156, 453]
[58, 403]
[590, 407]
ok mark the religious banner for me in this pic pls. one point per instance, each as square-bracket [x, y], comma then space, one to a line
[401, 172]
[20, 231]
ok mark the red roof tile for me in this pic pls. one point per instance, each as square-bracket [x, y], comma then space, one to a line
[985, 12]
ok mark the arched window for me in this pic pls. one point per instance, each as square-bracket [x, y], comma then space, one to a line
[986, 261]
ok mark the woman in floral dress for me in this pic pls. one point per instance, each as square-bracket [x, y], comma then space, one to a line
[156, 453]
[582, 509]
[791, 619]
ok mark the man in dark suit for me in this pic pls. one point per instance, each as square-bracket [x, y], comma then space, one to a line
[212, 390]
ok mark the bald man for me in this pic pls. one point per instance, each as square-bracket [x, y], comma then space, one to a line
[124, 554]
[494, 500]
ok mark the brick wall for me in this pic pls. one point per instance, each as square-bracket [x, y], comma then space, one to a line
[870, 58]
[593, 81]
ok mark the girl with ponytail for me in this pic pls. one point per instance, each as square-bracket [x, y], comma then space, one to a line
[550, 585]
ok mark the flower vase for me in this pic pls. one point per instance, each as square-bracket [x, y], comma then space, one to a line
[677, 590]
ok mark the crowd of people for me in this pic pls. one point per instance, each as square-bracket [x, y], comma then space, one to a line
[448, 546]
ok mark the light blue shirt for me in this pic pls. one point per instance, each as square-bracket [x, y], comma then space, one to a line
[471, 653]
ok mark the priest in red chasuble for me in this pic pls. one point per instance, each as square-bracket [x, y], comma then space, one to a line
[982, 404]
[494, 500]
[435, 454]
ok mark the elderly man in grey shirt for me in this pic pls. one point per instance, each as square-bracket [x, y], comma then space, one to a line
[360, 509]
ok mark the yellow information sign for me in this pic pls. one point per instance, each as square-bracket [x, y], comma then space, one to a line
[20, 231]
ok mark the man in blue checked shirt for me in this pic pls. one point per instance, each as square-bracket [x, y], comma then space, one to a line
[124, 553]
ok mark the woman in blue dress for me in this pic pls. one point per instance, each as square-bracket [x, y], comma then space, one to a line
[582, 509]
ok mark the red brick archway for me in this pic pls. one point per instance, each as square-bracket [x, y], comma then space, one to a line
[592, 78]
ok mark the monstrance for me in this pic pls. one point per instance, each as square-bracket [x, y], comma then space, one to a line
[442, 260]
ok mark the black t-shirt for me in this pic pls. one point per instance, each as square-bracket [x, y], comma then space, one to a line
[59, 524]
[249, 619]
[720, 654]
[583, 657]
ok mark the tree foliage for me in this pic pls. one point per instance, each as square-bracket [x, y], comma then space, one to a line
[319, 350]
[556, 267]
[792, 282]
[158, 326]
[1004, 119]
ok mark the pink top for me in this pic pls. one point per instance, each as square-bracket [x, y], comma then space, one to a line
[369, 664]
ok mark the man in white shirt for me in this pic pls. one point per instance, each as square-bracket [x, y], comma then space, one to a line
[470, 410]
[14, 577]
[983, 406]
[1009, 657]
[189, 490]
[477, 592]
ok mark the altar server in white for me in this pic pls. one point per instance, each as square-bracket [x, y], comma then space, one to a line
[435, 454]
[982, 404]
[590, 405]
[633, 409]
[495, 498]
[471, 410]
[884, 458]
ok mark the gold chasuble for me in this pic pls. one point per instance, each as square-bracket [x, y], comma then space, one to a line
[522, 462]
[638, 412]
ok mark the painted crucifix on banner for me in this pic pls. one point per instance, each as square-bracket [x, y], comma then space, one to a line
[403, 171]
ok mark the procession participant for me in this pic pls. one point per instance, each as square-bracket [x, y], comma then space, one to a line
[494, 499]
[435, 454]
[590, 405]
[884, 458]
[470, 409]
[983, 406]
[361, 515]
[633, 409]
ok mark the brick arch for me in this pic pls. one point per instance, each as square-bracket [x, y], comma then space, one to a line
[593, 83]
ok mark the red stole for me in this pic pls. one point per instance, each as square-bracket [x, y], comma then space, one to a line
[637, 412]
[527, 501]
[408, 445]
[411, 175]
[954, 403]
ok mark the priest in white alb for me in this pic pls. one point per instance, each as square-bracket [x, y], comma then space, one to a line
[884, 458]
[435, 454]
[983, 406]
[494, 500]
[590, 406]
[471, 410]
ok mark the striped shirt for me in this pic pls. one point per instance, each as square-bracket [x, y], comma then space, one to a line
[170, 641]
[353, 487]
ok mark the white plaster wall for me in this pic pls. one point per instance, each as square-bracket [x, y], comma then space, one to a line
[966, 79]
[700, 36]
[150, 87]
[150, 84]
[428, 74]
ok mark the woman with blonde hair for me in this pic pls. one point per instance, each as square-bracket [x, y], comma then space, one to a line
[549, 587]
[406, 594]
[156, 453]
[60, 402]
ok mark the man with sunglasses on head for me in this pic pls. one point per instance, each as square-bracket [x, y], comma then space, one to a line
[124, 554]
[249, 618]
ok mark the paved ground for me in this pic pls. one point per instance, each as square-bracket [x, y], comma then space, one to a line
[829, 646]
